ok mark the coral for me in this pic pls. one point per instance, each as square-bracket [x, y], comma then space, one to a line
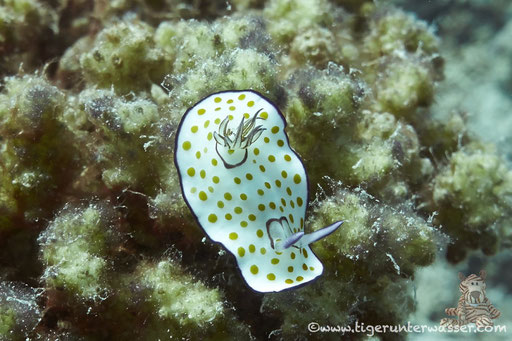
[95, 236]
[73, 249]
[286, 19]
[373, 246]
[398, 32]
[474, 174]
[183, 300]
[19, 311]
[123, 56]
[22, 22]
[34, 167]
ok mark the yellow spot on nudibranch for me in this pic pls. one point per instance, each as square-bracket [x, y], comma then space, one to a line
[228, 196]
[252, 248]
[243, 196]
[252, 217]
[250, 103]
[275, 129]
[259, 233]
[299, 278]
[243, 223]
[287, 158]
[201, 111]
[194, 129]
[212, 218]
[191, 171]
[220, 204]
[186, 145]
[261, 207]
[228, 216]
[233, 236]
[217, 99]
[271, 158]
[274, 261]
[241, 97]
[203, 196]
[271, 277]
[297, 179]
[290, 269]
[288, 281]
[254, 269]
[215, 179]
[264, 115]
[238, 210]
[241, 251]
[299, 201]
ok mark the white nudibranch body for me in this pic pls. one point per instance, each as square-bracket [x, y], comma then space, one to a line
[247, 188]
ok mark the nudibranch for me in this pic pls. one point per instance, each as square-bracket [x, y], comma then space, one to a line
[247, 188]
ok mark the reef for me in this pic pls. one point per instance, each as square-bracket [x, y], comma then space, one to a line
[96, 241]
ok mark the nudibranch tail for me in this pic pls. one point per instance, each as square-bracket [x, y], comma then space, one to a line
[319, 234]
[247, 188]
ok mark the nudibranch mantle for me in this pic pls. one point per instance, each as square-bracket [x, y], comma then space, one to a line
[247, 188]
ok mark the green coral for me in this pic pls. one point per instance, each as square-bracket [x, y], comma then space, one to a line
[21, 23]
[19, 311]
[474, 175]
[33, 165]
[396, 31]
[124, 57]
[286, 18]
[7, 322]
[182, 300]
[73, 250]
